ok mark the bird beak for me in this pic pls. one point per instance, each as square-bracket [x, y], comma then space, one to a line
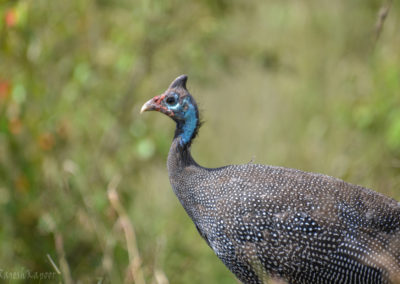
[150, 105]
[155, 104]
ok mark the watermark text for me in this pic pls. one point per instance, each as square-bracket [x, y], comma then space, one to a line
[26, 274]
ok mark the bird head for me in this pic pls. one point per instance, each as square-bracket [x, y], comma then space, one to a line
[177, 103]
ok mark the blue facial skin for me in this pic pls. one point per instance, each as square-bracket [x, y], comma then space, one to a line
[185, 114]
[190, 123]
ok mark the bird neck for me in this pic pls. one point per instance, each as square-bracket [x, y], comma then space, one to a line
[186, 129]
[179, 156]
[182, 169]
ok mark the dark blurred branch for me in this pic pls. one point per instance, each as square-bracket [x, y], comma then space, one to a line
[383, 12]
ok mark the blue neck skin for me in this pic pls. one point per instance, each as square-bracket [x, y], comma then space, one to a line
[188, 126]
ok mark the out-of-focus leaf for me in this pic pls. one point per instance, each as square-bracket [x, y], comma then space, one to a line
[145, 148]
[82, 72]
[18, 93]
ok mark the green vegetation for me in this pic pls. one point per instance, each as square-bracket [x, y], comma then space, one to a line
[83, 181]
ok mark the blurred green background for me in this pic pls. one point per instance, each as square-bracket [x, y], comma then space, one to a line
[84, 191]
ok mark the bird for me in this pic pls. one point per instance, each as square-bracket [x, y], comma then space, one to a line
[268, 222]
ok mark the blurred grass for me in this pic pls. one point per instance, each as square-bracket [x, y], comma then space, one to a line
[301, 84]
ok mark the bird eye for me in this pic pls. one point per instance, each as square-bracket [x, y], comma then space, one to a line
[171, 100]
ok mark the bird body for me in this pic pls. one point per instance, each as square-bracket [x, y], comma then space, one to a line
[265, 221]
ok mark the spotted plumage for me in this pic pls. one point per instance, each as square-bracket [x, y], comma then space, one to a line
[268, 222]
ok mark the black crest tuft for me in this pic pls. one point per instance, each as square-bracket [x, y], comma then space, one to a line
[179, 82]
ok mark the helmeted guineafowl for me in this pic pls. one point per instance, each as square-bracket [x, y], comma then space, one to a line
[265, 221]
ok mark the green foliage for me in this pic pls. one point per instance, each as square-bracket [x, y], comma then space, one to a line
[301, 84]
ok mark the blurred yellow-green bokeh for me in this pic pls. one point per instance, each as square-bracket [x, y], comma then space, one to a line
[84, 191]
